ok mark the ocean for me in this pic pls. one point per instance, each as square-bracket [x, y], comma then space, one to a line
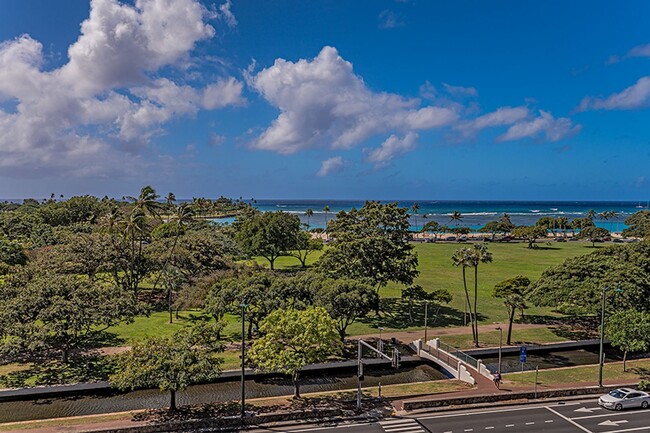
[475, 213]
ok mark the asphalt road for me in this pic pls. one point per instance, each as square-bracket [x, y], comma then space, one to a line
[574, 417]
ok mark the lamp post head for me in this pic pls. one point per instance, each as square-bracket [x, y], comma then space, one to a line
[243, 305]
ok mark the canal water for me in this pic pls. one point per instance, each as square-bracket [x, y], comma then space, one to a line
[554, 359]
[199, 394]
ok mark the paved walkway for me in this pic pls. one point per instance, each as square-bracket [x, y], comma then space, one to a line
[409, 336]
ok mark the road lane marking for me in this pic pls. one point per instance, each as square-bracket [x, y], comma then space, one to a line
[588, 409]
[326, 428]
[568, 420]
[404, 425]
[549, 420]
[469, 429]
[605, 415]
[628, 430]
[483, 412]
[530, 423]
[489, 428]
[510, 425]
[609, 422]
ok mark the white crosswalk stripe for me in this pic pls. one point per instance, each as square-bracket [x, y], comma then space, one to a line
[406, 425]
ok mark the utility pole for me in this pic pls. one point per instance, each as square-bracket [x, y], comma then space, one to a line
[602, 337]
[243, 358]
[394, 359]
[500, 346]
[426, 317]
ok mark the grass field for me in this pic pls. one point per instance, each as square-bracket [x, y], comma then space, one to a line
[436, 271]
[636, 370]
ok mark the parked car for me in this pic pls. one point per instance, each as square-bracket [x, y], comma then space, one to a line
[560, 240]
[618, 241]
[624, 398]
[450, 238]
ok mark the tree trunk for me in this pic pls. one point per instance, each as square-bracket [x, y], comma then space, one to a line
[169, 301]
[511, 319]
[250, 329]
[410, 311]
[272, 262]
[342, 334]
[625, 361]
[296, 385]
[64, 355]
[476, 344]
[172, 401]
[469, 305]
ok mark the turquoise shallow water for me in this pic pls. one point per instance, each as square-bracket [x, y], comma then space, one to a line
[475, 213]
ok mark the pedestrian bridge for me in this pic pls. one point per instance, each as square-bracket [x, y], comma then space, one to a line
[454, 361]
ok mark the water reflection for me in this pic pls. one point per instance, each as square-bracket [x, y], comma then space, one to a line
[198, 394]
[567, 358]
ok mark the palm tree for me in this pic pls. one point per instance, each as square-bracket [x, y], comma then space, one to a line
[479, 254]
[612, 214]
[326, 209]
[309, 213]
[591, 214]
[415, 208]
[505, 218]
[462, 258]
[563, 224]
[456, 216]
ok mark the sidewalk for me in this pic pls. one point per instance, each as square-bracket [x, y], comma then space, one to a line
[410, 336]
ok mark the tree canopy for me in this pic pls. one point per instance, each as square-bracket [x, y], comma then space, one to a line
[371, 244]
[269, 234]
[294, 338]
[575, 286]
[190, 355]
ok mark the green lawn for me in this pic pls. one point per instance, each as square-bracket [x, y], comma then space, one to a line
[436, 271]
[519, 337]
[636, 370]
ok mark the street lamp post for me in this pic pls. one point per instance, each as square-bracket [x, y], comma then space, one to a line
[426, 319]
[601, 359]
[243, 355]
[500, 346]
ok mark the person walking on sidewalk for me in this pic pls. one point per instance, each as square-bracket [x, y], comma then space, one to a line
[497, 379]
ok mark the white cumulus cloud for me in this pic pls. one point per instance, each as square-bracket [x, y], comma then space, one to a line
[391, 148]
[331, 165]
[106, 97]
[633, 97]
[323, 103]
[543, 126]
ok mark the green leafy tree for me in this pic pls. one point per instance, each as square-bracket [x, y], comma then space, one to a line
[433, 227]
[529, 233]
[512, 291]
[629, 330]
[304, 246]
[293, 339]
[49, 313]
[417, 294]
[371, 244]
[346, 301]
[638, 225]
[191, 355]
[12, 253]
[270, 235]
[592, 234]
[575, 286]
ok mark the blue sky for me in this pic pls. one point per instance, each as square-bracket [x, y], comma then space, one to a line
[326, 99]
